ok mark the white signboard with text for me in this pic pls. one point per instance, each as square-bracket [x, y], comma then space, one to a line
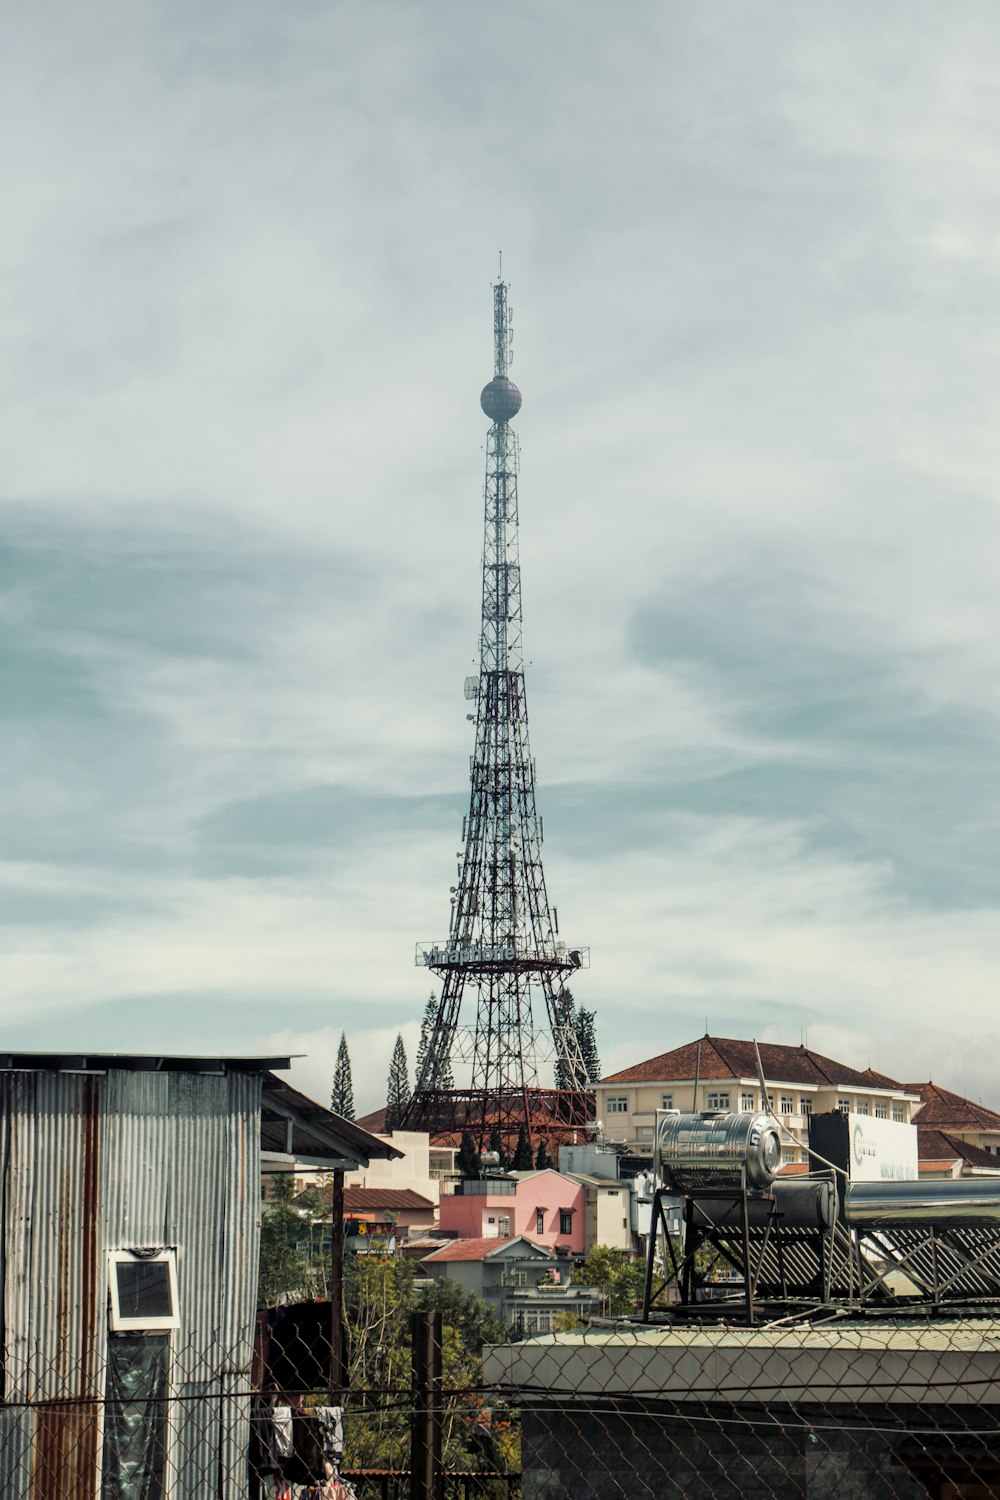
[882, 1150]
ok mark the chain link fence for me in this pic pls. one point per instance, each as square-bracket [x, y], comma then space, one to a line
[818, 1404]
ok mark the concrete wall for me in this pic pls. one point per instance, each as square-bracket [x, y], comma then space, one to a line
[790, 1453]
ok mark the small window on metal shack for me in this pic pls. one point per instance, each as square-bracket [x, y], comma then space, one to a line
[143, 1286]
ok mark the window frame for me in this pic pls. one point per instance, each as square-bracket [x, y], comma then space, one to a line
[117, 1322]
[616, 1104]
[565, 1221]
[721, 1098]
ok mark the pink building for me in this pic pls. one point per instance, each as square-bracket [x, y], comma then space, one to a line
[545, 1207]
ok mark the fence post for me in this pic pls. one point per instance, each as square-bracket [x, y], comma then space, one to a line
[337, 1372]
[426, 1424]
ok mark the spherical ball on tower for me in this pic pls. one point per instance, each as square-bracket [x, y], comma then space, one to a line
[501, 399]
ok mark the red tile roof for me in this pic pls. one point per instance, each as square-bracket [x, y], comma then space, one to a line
[723, 1057]
[943, 1110]
[476, 1249]
[938, 1145]
[358, 1199]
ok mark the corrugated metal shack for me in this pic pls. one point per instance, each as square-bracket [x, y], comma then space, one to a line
[129, 1234]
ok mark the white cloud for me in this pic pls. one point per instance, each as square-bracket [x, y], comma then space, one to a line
[245, 293]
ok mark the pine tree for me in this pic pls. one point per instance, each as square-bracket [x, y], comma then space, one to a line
[397, 1089]
[522, 1156]
[567, 1012]
[497, 1145]
[426, 1030]
[444, 1077]
[542, 1160]
[467, 1160]
[583, 1025]
[342, 1093]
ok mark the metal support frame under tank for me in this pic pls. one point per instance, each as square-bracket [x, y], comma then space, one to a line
[686, 1275]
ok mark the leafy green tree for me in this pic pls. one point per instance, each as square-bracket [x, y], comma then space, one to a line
[522, 1155]
[282, 1271]
[617, 1277]
[467, 1161]
[476, 1323]
[379, 1295]
[397, 1090]
[583, 1025]
[342, 1093]
[542, 1157]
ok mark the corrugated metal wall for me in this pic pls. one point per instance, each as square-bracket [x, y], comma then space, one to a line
[121, 1161]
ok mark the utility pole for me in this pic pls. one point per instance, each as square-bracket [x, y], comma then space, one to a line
[426, 1423]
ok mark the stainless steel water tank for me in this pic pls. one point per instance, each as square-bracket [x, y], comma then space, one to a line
[792, 1204]
[716, 1150]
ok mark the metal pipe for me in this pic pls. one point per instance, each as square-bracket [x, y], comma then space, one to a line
[961, 1201]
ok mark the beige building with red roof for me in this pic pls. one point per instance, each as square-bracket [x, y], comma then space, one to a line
[941, 1110]
[800, 1082]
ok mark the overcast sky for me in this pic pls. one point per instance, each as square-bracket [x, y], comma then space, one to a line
[754, 256]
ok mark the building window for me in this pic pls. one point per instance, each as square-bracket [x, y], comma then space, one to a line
[539, 1221]
[787, 1104]
[616, 1105]
[897, 1113]
[804, 1158]
[881, 1109]
[565, 1221]
[748, 1102]
[503, 1225]
[805, 1105]
[844, 1105]
[717, 1099]
[143, 1287]
[861, 1108]
[666, 1101]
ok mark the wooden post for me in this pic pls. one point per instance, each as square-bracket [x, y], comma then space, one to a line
[426, 1424]
[338, 1375]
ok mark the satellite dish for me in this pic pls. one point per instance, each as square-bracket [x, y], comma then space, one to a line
[471, 688]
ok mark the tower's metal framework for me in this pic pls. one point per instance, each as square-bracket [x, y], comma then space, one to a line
[503, 941]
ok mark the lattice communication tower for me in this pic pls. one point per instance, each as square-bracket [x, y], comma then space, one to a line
[503, 943]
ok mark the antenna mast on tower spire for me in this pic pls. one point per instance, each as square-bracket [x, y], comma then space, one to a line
[502, 942]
